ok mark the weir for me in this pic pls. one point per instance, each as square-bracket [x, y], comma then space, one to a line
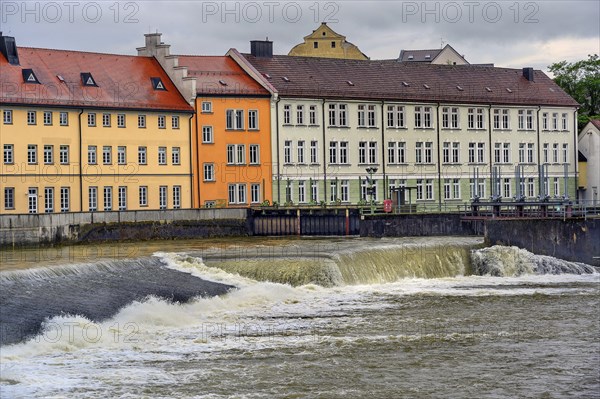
[96, 291]
[350, 263]
[387, 263]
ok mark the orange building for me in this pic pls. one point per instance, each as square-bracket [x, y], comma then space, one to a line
[232, 134]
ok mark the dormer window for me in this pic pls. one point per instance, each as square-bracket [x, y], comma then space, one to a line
[405, 84]
[426, 86]
[459, 88]
[508, 90]
[285, 79]
[488, 89]
[410, 57]
[29, 76]
[350, 83]
[157, 84]
[427, 56]
[266, 75]
[222, 83]
[60, 78]
[87, 79]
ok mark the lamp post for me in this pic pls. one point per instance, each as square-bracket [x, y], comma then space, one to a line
[371, 171]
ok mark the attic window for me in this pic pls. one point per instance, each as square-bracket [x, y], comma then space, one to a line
[410, 57]
[285, 79]
[427, 56]
[60, 78]
[508, 90]
[488, 89]
[350, 83]
[405, 84]
[223, 83]
[29, 76]
[158, 84]
[459, 88]
[426, 86]
[87, 79]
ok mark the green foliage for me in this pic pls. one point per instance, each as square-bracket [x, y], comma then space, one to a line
[581, 80]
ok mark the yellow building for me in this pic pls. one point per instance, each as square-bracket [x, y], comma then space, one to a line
[90, 132]
[324, 42]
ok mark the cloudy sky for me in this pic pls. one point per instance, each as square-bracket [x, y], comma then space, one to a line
[507, 33]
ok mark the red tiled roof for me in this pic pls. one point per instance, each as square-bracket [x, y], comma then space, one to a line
[210, 71]
[419, 82]
[123, 81]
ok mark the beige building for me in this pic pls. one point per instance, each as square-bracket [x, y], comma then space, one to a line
[589, 147]
[324, 42]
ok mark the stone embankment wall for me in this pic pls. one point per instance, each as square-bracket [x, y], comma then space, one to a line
[67, 228]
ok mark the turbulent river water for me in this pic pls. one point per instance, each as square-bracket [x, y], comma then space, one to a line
[306, 318]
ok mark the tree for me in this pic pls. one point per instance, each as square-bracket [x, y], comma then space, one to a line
[581, 80]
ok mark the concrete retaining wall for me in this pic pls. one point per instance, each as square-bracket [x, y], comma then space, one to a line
[56, 228]
[447, 224]
[575, 240]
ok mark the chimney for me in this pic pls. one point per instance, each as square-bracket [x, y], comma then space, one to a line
[8, 48]
[261, 48]
[528, 73]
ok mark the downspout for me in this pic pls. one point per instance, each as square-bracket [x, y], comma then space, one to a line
[277, 140]
[198, 152]
[80, 164]
[324, 153]
[385, 189]
[491, 150]
[539, 147]
[575, 156]
[192, 161]
[439, 163]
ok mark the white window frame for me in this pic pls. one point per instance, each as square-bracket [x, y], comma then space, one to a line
[163, 192]
[92, 198]
[48, 154]
[207, 135]
[162, 155]
[48, 199]
[176, 155]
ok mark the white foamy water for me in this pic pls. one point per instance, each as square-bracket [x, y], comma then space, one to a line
[415, 337]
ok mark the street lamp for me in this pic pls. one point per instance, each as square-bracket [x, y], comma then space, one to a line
[371, 170]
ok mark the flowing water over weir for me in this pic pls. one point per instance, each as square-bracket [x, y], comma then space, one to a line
[95, 291]
[353, 318]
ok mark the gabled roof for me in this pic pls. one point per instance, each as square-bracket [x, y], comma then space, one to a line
[123, 81]
[392, 80]
[220, 75]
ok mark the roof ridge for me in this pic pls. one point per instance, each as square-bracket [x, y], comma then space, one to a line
[81, 51]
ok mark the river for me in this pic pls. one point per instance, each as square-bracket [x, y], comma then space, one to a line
[309, 318]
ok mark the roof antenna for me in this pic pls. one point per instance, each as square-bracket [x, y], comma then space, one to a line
[441, 42]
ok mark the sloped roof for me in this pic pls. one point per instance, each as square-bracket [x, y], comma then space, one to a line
[420, 82]
[124, 82]
[220, 75]
[581, 157]
[596, 122]
[418, 55]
